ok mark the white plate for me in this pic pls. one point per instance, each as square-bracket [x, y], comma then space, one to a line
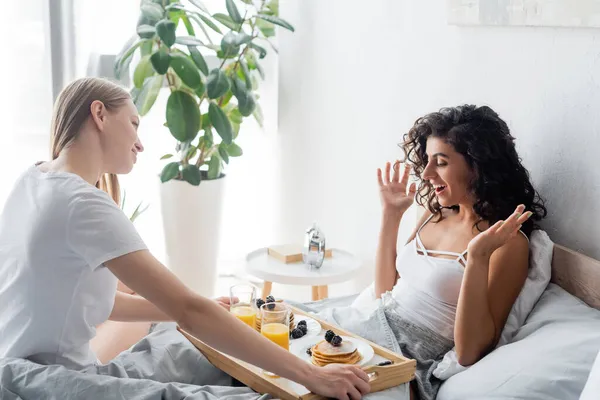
[313, 327]
[299, 347]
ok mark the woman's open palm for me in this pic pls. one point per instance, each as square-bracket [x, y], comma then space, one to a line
[393, 191]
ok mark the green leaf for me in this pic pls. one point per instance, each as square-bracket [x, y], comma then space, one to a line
[223, 153]
[146, 47]
[208, 137]
[175, 16]
[234, 150]
[166, 156]
[160, 61]
[242, 38]
[246, 102]
[186, 70]
[175, 6]
[273, 5]
[166, 32]
[138, 211]
[191, 174]
[222, 55]
[183, 116]
[226, 20]
[205, 120]
[246, 73]
[248, 105]
[217, 84]
[235, 116]
[236, 130]
[147, 96]
[152, 13]
[225, 99]
[200, 5]
[170, 171]
[276, 20]
[229, 44]
[198, 59]
[251, 59]
[238, 88]
[146, 31]
[189, 41]
[124, 57]
[142, 71]
[266, 27]
[258, 115]
[188, 25]
[260, 70]
[134, 92]
[233, 12]
[211, 24]
[247, 1]
[262, 52]
[214, 167]
[220, 122]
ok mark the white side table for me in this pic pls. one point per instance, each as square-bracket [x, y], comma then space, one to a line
[340, 267]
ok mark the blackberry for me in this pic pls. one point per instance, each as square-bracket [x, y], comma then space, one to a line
[329, 335]
[259, 303]
[336, 341]
[303, 328]
[297, 333]
[303, 322]
[270, 300]
[309, 351]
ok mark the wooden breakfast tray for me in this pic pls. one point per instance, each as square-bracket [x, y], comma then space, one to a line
[382, 377]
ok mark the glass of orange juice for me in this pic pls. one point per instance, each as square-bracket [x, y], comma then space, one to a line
[275, 326]
[242, 300]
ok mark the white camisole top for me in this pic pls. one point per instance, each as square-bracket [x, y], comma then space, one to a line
[427, 291]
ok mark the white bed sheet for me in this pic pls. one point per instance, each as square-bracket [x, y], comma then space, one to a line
[549, 358]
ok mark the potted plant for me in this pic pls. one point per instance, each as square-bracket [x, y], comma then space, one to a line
[205, 109]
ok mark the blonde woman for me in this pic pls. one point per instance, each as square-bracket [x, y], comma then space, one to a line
[64, 244]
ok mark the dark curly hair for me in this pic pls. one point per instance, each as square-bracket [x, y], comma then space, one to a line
[500, 181]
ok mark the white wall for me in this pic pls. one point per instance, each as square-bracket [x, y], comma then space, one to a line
[355, 76]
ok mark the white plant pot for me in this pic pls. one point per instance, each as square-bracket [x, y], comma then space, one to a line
[191, 222]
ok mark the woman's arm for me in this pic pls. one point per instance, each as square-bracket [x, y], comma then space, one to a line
[492, 282]
[386, 274]
[133, 308]
[396, 197]
[385, 259]
[209, 322]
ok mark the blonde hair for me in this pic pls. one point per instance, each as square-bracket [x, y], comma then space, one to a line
[71, 110]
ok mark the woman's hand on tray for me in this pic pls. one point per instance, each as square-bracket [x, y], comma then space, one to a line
[345, 382]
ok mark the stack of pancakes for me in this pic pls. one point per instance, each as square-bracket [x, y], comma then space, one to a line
[324, 353]
[259, 320]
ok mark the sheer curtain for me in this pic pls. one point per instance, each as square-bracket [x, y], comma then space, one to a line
[250, 201]
[26, 95]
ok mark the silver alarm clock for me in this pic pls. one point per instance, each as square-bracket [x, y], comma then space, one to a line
[313, 252]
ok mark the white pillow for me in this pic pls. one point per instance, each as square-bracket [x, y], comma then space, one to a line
[549, 358]
[540, 259]
[591, 390]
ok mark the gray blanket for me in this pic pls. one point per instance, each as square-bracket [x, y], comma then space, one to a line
[164, 365]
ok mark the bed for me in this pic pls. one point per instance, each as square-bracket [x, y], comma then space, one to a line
[549, 357]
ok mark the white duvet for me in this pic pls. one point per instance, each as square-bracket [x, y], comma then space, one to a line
[549, 358]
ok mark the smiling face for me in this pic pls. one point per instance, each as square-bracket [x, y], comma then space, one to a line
[119, 139]
[448, 173]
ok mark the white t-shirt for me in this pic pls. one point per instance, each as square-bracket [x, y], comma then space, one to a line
[56, 231]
